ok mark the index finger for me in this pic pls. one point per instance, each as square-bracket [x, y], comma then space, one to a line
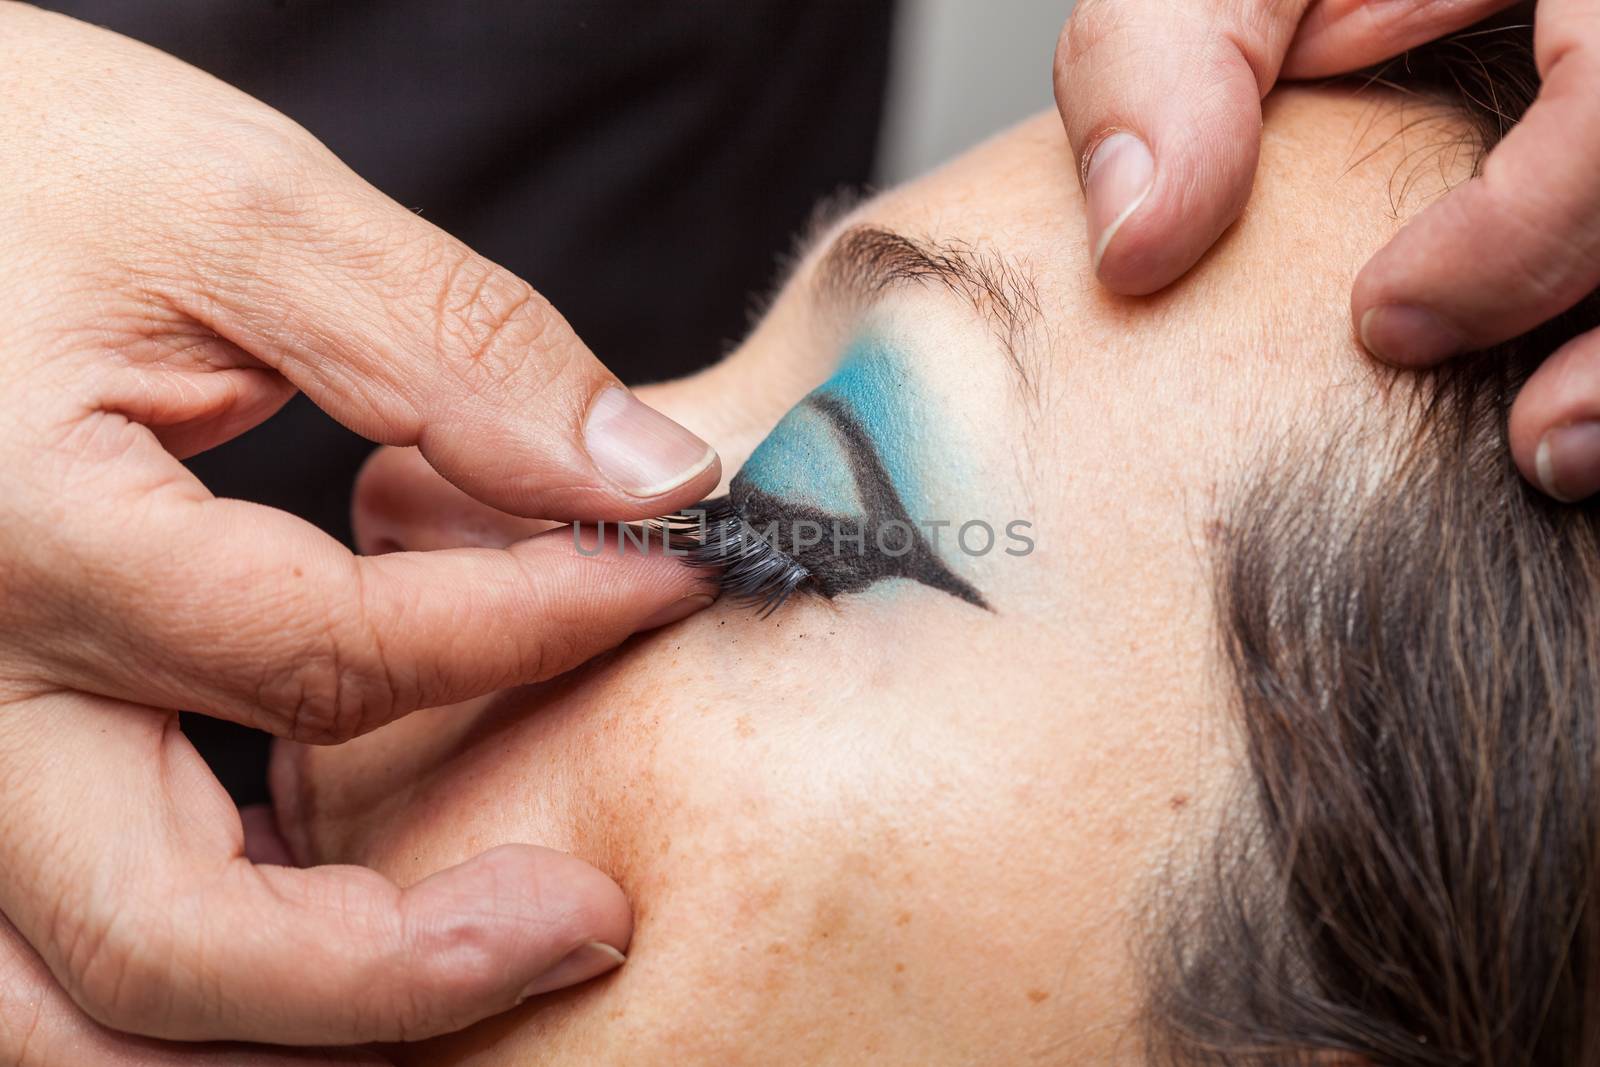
[1517, 245]
[244, 612]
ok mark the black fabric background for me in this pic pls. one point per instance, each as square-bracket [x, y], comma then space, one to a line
[641, 164]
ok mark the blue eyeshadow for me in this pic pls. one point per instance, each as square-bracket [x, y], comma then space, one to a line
[847, 460]
[801, 460]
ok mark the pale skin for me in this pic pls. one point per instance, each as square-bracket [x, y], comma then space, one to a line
[181, 259]
[895, 828]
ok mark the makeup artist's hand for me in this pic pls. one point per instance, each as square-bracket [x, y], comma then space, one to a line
[1162, 102]
[40, 1026]
[178, 260]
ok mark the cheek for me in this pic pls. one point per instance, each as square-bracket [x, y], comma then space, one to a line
[803, 834]
[614, 761]
[790, 859]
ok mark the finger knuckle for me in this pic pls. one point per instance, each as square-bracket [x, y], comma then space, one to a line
[310, 702]
[259, 170]
[338, 685]
[42, 557]
[319, 701]
[18, 600]
[466, 960]
[116, 967]
[551, 654]
[491, 326]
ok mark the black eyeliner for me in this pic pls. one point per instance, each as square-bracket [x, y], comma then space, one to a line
[743, 533]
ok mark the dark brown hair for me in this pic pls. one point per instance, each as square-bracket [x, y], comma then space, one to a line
[1415, 660]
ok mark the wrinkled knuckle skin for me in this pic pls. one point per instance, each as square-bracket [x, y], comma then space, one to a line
[328, 699]
[35, 601]
[556, 652]
[338, 688]
[466, 959]
[259, 170]
[491, 326]
[13, 620]
[117, 972]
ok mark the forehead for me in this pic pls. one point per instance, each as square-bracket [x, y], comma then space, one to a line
[1339, 172]
[1157, 396]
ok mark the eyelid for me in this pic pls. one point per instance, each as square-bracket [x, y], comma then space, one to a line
[865, 262]
[819, 563]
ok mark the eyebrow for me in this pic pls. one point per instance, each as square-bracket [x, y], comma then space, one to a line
[865, 261]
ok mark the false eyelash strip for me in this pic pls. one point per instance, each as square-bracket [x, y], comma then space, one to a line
[713, 535]
[736, 533]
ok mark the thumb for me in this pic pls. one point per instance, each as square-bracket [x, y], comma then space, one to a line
[145, 909]
[1162, 103]
[409, 337]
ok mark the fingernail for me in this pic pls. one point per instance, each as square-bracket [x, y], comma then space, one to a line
[678, 609]
[1401, 333]
[1568, 461]
[640, 449]
[1116, 180]
[587, 961]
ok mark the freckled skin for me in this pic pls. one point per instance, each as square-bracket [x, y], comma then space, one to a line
[828, 869]
[894, 829]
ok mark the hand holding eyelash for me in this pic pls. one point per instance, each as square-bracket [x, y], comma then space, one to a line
[1161, 99]
[179, 261]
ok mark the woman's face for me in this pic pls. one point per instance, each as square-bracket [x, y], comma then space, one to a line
[924, 821]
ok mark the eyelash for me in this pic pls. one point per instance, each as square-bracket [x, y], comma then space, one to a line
[753, 571]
